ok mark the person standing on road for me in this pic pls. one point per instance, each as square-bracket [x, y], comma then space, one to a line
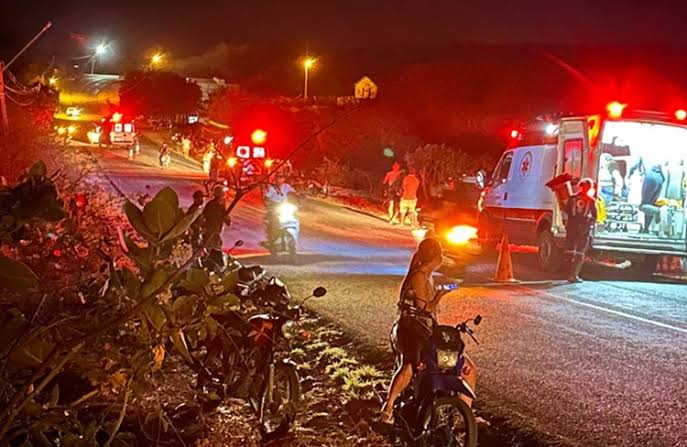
[408, 205]
[392, 181]
[164, 153]
[579, 219]
[214, 219]
[195, 230]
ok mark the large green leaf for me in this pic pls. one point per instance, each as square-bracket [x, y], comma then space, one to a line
[180, 344]
[182, 225]
[31, 353]
[161, 214]
[158, 278]
[16, 276]
[195, 280]
[155, 315]
[39, 169]
[212, 326]
[223, 304]
[143, 257]
[135, 216]
[184, 306]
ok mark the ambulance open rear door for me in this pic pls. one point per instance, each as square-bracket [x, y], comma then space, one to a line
[573, 157]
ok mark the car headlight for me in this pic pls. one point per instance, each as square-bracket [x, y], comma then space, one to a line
[447, 359]
[461, 234]
[287, 212]
[289, 329]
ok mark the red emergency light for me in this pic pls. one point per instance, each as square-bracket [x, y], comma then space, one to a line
[680, 114]
[514, 133]
[258, 136]
[615, 109]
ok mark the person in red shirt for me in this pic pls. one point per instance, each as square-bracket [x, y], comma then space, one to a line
[408, 206]
[392, 182]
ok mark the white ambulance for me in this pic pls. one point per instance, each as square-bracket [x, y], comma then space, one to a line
[638, 160]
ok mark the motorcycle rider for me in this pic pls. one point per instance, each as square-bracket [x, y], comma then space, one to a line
[579, 219]
[164, 153]
[414, 326]
[275, 194]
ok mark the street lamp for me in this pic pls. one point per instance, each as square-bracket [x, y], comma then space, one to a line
[308, 63]
[157, 59]
[100, 50]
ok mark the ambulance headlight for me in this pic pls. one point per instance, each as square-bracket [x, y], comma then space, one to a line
[287, 212]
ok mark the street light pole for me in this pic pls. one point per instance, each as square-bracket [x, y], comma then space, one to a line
[45, 28]
[307, 64]
[3, 107]
[305, 86]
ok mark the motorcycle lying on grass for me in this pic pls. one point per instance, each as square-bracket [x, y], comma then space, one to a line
[249, 357]
[432, 410]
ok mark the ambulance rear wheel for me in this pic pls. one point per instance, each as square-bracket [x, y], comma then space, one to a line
[549, 255]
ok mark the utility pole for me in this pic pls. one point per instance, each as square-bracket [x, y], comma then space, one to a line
[5, 126]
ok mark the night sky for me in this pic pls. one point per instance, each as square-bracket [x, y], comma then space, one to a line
[191, 26]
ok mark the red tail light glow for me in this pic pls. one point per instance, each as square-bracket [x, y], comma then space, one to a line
[615, 109]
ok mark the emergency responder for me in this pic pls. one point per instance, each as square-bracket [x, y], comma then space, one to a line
[579, 219]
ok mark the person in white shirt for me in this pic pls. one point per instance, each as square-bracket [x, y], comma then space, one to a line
[278, 192]
[274, 195]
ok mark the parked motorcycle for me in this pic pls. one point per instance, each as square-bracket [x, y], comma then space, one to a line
[253, 362]
[431, 411]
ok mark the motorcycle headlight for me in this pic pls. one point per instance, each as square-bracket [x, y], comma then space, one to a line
[447, 359]
[287, 212]
[289, 330]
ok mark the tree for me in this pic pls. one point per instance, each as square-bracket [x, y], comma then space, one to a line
[158, 93]
[435, 163]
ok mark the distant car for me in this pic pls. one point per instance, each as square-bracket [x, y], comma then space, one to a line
[73, 111]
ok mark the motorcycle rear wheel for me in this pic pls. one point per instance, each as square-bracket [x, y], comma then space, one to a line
[451, 423]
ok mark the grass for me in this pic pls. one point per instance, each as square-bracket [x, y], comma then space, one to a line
[342, 363]
[317, 346]
[332, 353]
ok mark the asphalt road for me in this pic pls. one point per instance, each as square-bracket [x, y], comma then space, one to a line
[595, 364]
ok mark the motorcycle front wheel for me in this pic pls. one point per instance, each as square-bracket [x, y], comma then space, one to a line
[451, 423]
[279, 404]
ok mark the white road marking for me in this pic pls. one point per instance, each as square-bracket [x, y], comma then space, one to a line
[611, 311]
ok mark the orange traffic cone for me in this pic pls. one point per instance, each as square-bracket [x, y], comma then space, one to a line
[504, 267]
